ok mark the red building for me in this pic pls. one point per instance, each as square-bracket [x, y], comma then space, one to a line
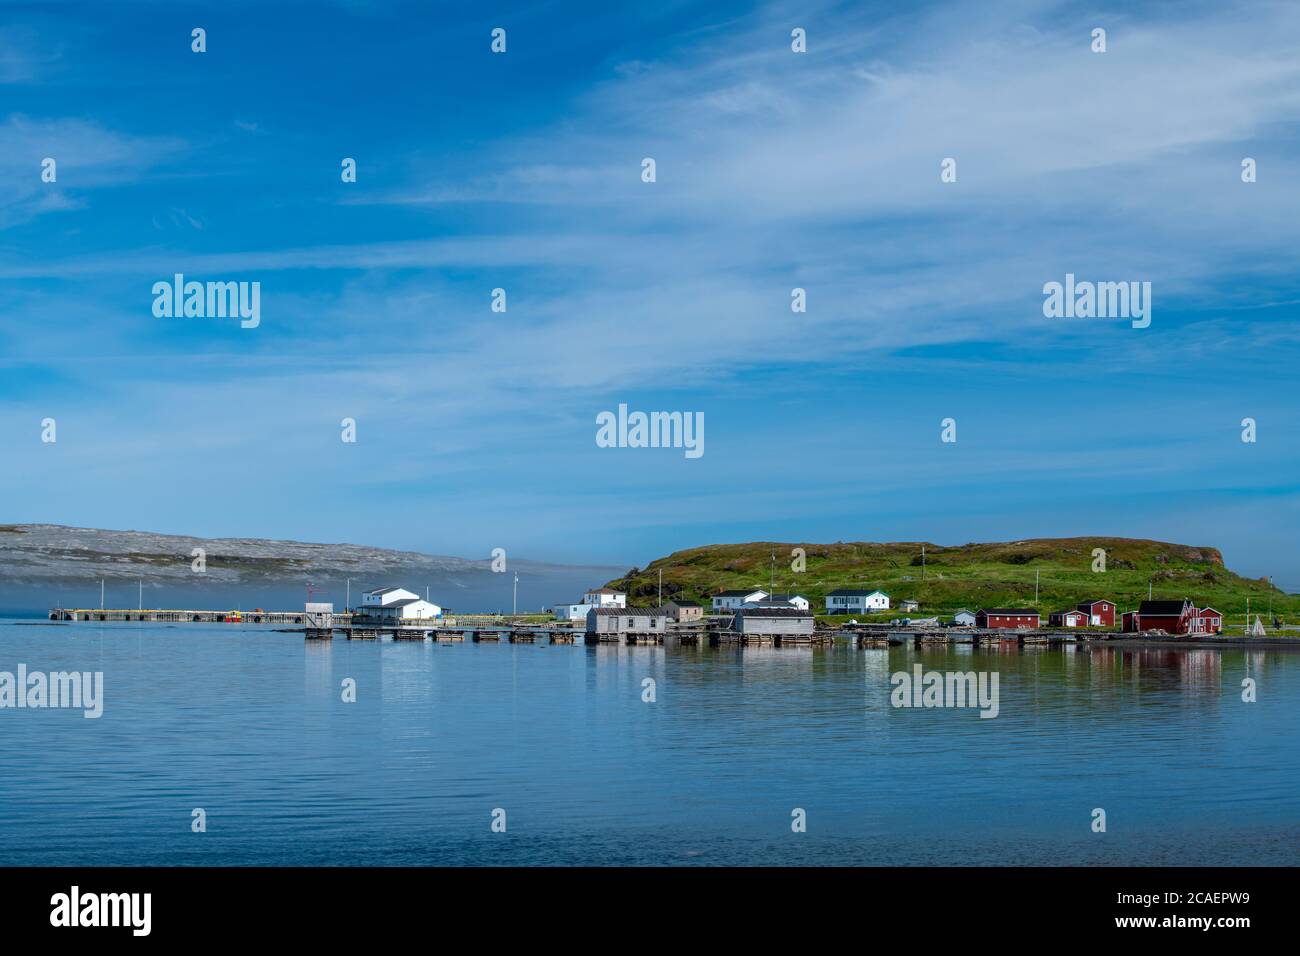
[1006, 617]
[1207, 621]
[1100, 613]
[1074, 618]
[1131, 622]
[1172, 617]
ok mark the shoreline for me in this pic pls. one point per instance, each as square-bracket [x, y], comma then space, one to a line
[894, 637]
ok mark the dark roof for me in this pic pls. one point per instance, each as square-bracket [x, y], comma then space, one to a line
[1163, 608]
[628, 611]
[738, 593]
[1071, 610]
[683, 604]
[1091, 603]
[602, 591]
[784, 597]
[383, 590]
[772, 612]
[1004, 611]
[853, 592]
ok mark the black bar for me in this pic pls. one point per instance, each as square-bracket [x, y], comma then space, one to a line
[328, 906]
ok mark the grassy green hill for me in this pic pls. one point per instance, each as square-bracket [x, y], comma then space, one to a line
[968, 575]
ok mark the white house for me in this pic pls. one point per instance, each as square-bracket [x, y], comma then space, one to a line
[571, 612]
[597, 597]
[964, 618]
[731, 600]
[794, 600]
[397, 604]
[604, 597]
[411, 609]
[848, 600]
[381, 596]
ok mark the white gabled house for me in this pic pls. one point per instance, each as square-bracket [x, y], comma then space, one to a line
[856, 600]
[380, 597]
[605, 597]
[397, 604]
[597, 597]
[794, 600]
[964, 618]
[731, 600]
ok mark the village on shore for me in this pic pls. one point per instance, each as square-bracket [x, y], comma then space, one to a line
[604, 614]
[741, 616]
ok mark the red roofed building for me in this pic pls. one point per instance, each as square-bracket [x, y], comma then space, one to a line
[1074, 618]
[1207, 621]
[1100, 613]
[1006, 617]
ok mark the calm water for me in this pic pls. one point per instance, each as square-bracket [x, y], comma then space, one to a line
[248, 724]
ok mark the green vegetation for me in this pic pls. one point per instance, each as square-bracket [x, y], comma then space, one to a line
[971, 575]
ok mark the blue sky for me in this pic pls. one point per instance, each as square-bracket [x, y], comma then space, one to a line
[774, 170]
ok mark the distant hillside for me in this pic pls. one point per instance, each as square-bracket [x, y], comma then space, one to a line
[42, 565]
[968, 575]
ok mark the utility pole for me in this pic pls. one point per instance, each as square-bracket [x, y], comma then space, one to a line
[141, 605]
[101, 594]
[661, 587]
[1035, 587]
[515, 605]
[923, 566]
[347, 604]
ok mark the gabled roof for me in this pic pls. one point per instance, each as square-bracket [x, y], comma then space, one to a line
[745, 593]
[785, 597]
[854, 592]
[683, 604]
[772, 612]
[1164, 608]
[1072, 610]
[1004, 611]
[1202, 611]
[1091, 603]
[384, 590]
[603, 591]
[628, 612]
[962, 610]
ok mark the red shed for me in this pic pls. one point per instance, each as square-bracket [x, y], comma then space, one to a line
[1131, 622]
[1068, 619]
[1172, 617]
[1006, 617]
[1100, 613]
[1207, 621]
